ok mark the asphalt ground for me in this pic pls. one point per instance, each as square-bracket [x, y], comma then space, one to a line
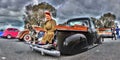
[12, 49]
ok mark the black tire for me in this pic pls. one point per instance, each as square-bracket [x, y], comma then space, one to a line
[99, 40]
[20, 39]
[74, 45]
[115, 36]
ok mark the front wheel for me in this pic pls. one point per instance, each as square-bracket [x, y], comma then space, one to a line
[73, 44]
[20, 39]
[9, 36]
[27, 38]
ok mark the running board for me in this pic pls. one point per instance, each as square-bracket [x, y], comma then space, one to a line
[45, 51]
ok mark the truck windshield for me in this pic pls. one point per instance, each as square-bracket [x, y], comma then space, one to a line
[78, 22]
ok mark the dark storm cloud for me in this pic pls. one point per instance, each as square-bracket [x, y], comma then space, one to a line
[12, 8]
[14, 5]
[65, 8]
[54, 3]
[73, 8]
[11, 11]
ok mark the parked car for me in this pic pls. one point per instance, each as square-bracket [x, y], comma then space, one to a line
[25, 35]
[107, 33]
[10, 33]
[1, 32]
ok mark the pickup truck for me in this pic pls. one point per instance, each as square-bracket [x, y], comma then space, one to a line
[76, 34]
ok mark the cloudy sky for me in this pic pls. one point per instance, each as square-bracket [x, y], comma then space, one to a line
[11, 11]
[14, 9]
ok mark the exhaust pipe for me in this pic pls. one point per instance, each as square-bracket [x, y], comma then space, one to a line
[45, 51]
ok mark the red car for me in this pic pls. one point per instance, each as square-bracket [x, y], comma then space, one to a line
[11, 33]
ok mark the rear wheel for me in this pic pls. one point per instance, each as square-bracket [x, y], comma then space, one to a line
[100, 40]
[114, 36]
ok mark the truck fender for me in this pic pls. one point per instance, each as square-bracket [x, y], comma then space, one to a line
[74, 38]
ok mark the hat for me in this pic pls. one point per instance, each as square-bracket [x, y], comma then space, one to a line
[48, 13]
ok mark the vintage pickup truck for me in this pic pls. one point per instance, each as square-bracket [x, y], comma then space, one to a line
[76, 34]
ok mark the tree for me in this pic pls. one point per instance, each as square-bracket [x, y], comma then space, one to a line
[35, 13]
[108, 20]
[105, 21]
[97, 22]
